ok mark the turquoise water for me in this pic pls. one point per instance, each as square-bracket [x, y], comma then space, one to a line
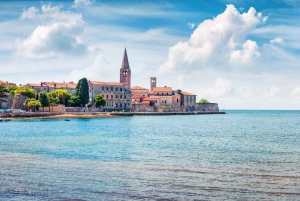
[240, 155]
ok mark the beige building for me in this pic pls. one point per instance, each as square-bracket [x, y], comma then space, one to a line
[50, 86]
[117, 95]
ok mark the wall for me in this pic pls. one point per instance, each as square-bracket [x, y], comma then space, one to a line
[18, 102]
[207, 107]
[59, 109]
[8, 103]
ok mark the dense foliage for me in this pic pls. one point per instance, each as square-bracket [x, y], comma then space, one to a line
[44, 99]
[99, 100]
[203, 101]
[82, 91]
[3, 89]
[63, 95]
[53, 98]
[32, 103]
[74, 101]
[26, 91]
[12, 89]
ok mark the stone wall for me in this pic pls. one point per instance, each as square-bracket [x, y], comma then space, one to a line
[207, 107]
[18, 102]
[58, 109]
[7, 104]
[83, 109]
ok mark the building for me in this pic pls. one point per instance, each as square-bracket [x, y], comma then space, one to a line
[50, 86]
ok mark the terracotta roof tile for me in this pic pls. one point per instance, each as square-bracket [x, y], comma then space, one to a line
[33, 84]
[138, 88]
[108, 83]
[188, 94]
[156, 89]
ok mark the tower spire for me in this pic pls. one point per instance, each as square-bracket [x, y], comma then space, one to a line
[125, 63]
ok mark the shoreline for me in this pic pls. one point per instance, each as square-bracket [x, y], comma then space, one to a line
[97, 114]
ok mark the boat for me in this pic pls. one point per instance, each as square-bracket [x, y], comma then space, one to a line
[1, 119]
[67, 119]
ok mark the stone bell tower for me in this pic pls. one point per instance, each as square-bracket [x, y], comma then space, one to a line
[125, 72]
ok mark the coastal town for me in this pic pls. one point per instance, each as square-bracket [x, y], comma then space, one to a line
[119, 96]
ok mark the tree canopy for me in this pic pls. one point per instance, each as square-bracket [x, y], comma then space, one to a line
[26, 91]
[12, 89]
[74, 101]
[63, 96]
[44, 99]
[32, 102]
[53, 98]
[82, 91]
[99, 100]
[3, 89]
[203, 101]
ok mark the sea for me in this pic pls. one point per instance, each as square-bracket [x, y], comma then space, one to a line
[241, 155]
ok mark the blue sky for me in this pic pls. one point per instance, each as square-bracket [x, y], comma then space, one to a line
[243, 54]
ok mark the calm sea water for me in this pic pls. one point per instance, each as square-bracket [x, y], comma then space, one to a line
[245, 155]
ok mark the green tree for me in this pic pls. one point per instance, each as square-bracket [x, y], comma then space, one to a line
[12, 89]
[26, 91]
[74, 101]
[3, 91]
[63, 95]
[99, 100]
[32, 103]
[179, 91]
[37, 96]
[82, 91]
[44, 99]
[53, 98]
[203, 101]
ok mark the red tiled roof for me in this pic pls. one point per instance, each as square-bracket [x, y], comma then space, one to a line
[155, 89]
[138, 88]
[61, 84]
[33, 84]
[135, 96]
[108, 83]
[187, 93]
[157, 97]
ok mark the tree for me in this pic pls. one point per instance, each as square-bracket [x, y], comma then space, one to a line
[179, 91]
[74, 101]
[12, 89]
[82, 91]
[203, 101]
[53, 98]
[44, 99]
[32, 103]
[37, 96]
[26, 91]
[99, 100]
[3, 91]
[63, 95]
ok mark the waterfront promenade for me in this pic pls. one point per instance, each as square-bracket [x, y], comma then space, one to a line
[97, 114]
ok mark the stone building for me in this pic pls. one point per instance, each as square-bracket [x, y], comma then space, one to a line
[50, 86]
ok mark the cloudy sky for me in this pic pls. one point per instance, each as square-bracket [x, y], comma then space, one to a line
[242, 54]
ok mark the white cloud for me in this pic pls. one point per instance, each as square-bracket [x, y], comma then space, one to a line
[296, 92]
[30, 13]
[216, 42]
[277, 40]
[83, 2]
[248, 54]
[191, 25]
[63, 35]
[222, 87]
[272, 91]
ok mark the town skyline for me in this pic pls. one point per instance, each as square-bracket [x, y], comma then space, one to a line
[242, 55]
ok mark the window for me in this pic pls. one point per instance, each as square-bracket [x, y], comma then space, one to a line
[165, 101]
[124, 89]
[102, 88]
[167, 93]
[120, 104]
[116, 89]
[155, 101]
[112, 96]
[116, 104]
[162, 93]
[106, 96]
[116, 96]
[106, 88]
[177, 100]
[124, 97]
[112, 88]
[157, 93]
[120, 96]
[120, 89]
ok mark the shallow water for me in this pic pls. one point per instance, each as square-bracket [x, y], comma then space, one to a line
[241, 155]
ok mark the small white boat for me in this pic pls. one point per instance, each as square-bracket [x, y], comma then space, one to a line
[67, 119]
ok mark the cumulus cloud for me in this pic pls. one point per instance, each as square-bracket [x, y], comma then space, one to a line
[217, 43]
[82, 2]
[277, 40]
[61, 34]
[296, 92]
[222, 87]
[99, 70]
[191, 25]
[272, 91]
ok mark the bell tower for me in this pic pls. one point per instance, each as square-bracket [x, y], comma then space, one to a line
[152, 83]
[125, 72]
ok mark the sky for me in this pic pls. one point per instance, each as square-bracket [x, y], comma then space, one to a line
[241, 54]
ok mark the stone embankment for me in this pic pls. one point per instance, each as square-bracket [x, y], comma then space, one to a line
[97, 114]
